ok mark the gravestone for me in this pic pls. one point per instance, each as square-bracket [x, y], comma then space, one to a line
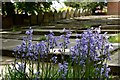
[71, 13]
[7, 22]
[76, 13]
[18, 19]
[33, 19]
[79, 13]
[67, 14]
[51, 16]
[59, 14]
[55, 16]
[63, 14]
[46, 18]
[40, 18]
[26, 20]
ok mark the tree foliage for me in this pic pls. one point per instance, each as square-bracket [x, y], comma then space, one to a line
[86, 5]
[8, 8]
[25, 7]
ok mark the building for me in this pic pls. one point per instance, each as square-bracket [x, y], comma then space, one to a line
[113, 8]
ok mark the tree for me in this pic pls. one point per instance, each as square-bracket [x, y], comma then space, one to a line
[91, 6]
[8, 8]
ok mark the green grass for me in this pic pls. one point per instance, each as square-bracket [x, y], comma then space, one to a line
[42, 38]
[115, 39]
[16, 28]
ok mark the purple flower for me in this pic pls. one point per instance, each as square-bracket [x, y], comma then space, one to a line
[52, 40]
[96, 43]
[54, 59]
[40, 48]
[98, 30]
[89, 45]
[30, 31]
[63, 68]
[65, 41]
[20, 66]
[106, 70]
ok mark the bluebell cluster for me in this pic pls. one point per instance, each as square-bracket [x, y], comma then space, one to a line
[90, 47]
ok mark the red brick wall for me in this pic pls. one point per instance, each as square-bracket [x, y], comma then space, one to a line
[113, 8]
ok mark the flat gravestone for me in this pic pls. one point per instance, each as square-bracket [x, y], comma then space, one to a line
[110, 27]
[115, 59]
[114, 64]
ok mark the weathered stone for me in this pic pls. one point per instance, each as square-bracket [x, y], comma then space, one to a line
[46, 18]
[68, 14]
[33, 19]
[26, 20]
[59, 15]
[63, 14]
[51, 16]
[40, 18]
[111, 27]
[114, 64]
[76, 14]
[79, 14]
[18, 19]
[7, 22]
[55, 16]
[71, 13]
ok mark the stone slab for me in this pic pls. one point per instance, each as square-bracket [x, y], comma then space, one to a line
[20, 37]
[10, 43]
[59, 31]
[6, 60]
[66, 21]
[98, 17]
[10, 32]
[115, 59]
[111, 27]
[36, 37]
[114, 64]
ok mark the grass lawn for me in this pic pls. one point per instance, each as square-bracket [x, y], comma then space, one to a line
[115, 39]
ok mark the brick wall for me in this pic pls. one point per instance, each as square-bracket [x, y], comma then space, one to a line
[113, 8]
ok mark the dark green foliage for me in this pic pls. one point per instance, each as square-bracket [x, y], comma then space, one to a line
[27, 7]
[86, 5]
[9, 8]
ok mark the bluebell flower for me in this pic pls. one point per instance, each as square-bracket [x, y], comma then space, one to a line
[106, 70]
[65, 39]
[63, 68]
[30, 31]
[20, 67]
[90, 44]
[54, 59]
[52, 40]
